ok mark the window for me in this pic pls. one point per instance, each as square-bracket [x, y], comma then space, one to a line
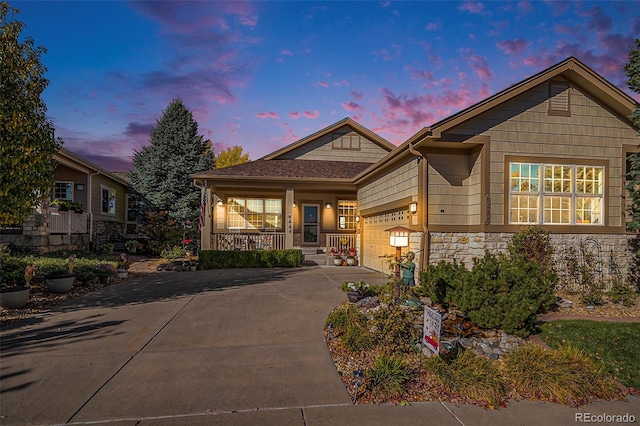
[63, 191]
[108, 200]
[254, 213]
[347, 213]
[556, 194]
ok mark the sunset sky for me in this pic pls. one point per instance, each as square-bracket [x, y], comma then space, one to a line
[264, 74]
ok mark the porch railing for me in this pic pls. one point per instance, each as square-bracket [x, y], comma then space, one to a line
[68, 223]
[341, 243]
[252, 241]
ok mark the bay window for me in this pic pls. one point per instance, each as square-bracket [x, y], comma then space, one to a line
[556, 194]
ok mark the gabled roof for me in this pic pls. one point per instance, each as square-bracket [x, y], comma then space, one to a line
[74, 161]
[288, 169]
[571, 68]
[378, 140]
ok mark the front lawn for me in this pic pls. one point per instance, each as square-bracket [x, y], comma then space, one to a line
[616, 344]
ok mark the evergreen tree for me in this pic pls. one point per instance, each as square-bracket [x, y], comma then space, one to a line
[633, 72]
[162, 171]
[27, 141]
[231, 157]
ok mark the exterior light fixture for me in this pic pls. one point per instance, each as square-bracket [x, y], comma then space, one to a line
[219, 203]
[357, 219]
[327, 206]
[294, 205]
[398, 238]
[413, 207]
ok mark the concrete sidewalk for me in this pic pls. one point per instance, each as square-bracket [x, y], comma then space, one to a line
[229, 347]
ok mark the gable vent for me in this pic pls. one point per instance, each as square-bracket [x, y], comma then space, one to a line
[559, 98]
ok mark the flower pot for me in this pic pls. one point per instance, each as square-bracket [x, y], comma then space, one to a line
[354, 296]
[13, 298]
[337, 261]
[351, 261]
[122, 273]
[192, 267]
[60, 283]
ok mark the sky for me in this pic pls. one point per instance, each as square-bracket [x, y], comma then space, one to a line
[264, 74]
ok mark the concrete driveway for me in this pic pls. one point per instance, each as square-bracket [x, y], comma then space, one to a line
[210, 347]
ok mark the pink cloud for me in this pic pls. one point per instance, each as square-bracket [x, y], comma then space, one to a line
[286, 53]
[480, 66]
[432, 26]
[392, 54]
[357, 95]
[352, 106]
[513, 46]
[472, 7]
[294, 115]
[272, 114]
[323, 84]
[598, 21]
[311, 114]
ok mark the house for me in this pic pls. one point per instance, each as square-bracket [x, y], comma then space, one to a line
[101, 209]
[302, 195]
[550, 150]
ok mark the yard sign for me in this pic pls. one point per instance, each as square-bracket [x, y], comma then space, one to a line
[431, 330]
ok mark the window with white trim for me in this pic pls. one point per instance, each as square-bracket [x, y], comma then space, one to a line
[108, 204]
[556, 194]
[254, 213]
[347, 214]
[63, 190]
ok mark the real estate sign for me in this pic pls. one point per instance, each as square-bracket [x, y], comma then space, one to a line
[431, 330]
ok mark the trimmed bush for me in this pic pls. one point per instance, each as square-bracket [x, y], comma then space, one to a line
[218, 259]
[440, 281]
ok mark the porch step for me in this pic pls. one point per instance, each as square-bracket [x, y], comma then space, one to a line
[318, 259]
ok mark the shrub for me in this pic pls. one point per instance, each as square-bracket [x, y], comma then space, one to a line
[472, 376]
[173, 253]
[393, 328]
[507, 294]
[217, 259]
[440, 281]
[567, 375]
[532, 245]
[356, 338]
[622, 293]
[388, 375]
[344, 315]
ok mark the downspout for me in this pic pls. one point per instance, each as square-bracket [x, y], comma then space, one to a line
[424, 241]
[89, 204]
[201, 188]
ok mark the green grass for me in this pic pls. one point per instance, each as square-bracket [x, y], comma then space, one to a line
[616, 344]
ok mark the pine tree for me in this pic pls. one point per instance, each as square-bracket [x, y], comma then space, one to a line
[633, 72]
[27, 141]
[161, 171]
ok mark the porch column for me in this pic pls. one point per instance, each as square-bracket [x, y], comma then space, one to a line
[205, 232]
[288, 225]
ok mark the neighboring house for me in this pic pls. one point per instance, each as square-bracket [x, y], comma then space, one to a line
[105, 202]
[550, 150]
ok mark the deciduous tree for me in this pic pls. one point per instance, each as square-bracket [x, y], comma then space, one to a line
[27, 140]
[231, 157]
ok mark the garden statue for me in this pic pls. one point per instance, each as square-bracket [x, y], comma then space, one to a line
[29, 272]
[408, 268]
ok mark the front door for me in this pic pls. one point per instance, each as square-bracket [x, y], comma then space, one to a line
[310, 224]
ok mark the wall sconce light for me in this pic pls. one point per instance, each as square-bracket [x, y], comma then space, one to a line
[294, 205]
[357, 219]
[327, 206]
[413, 207]
[219, 203]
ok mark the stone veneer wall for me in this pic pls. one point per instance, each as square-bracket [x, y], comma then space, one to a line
[106, 231]
[615, 251]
